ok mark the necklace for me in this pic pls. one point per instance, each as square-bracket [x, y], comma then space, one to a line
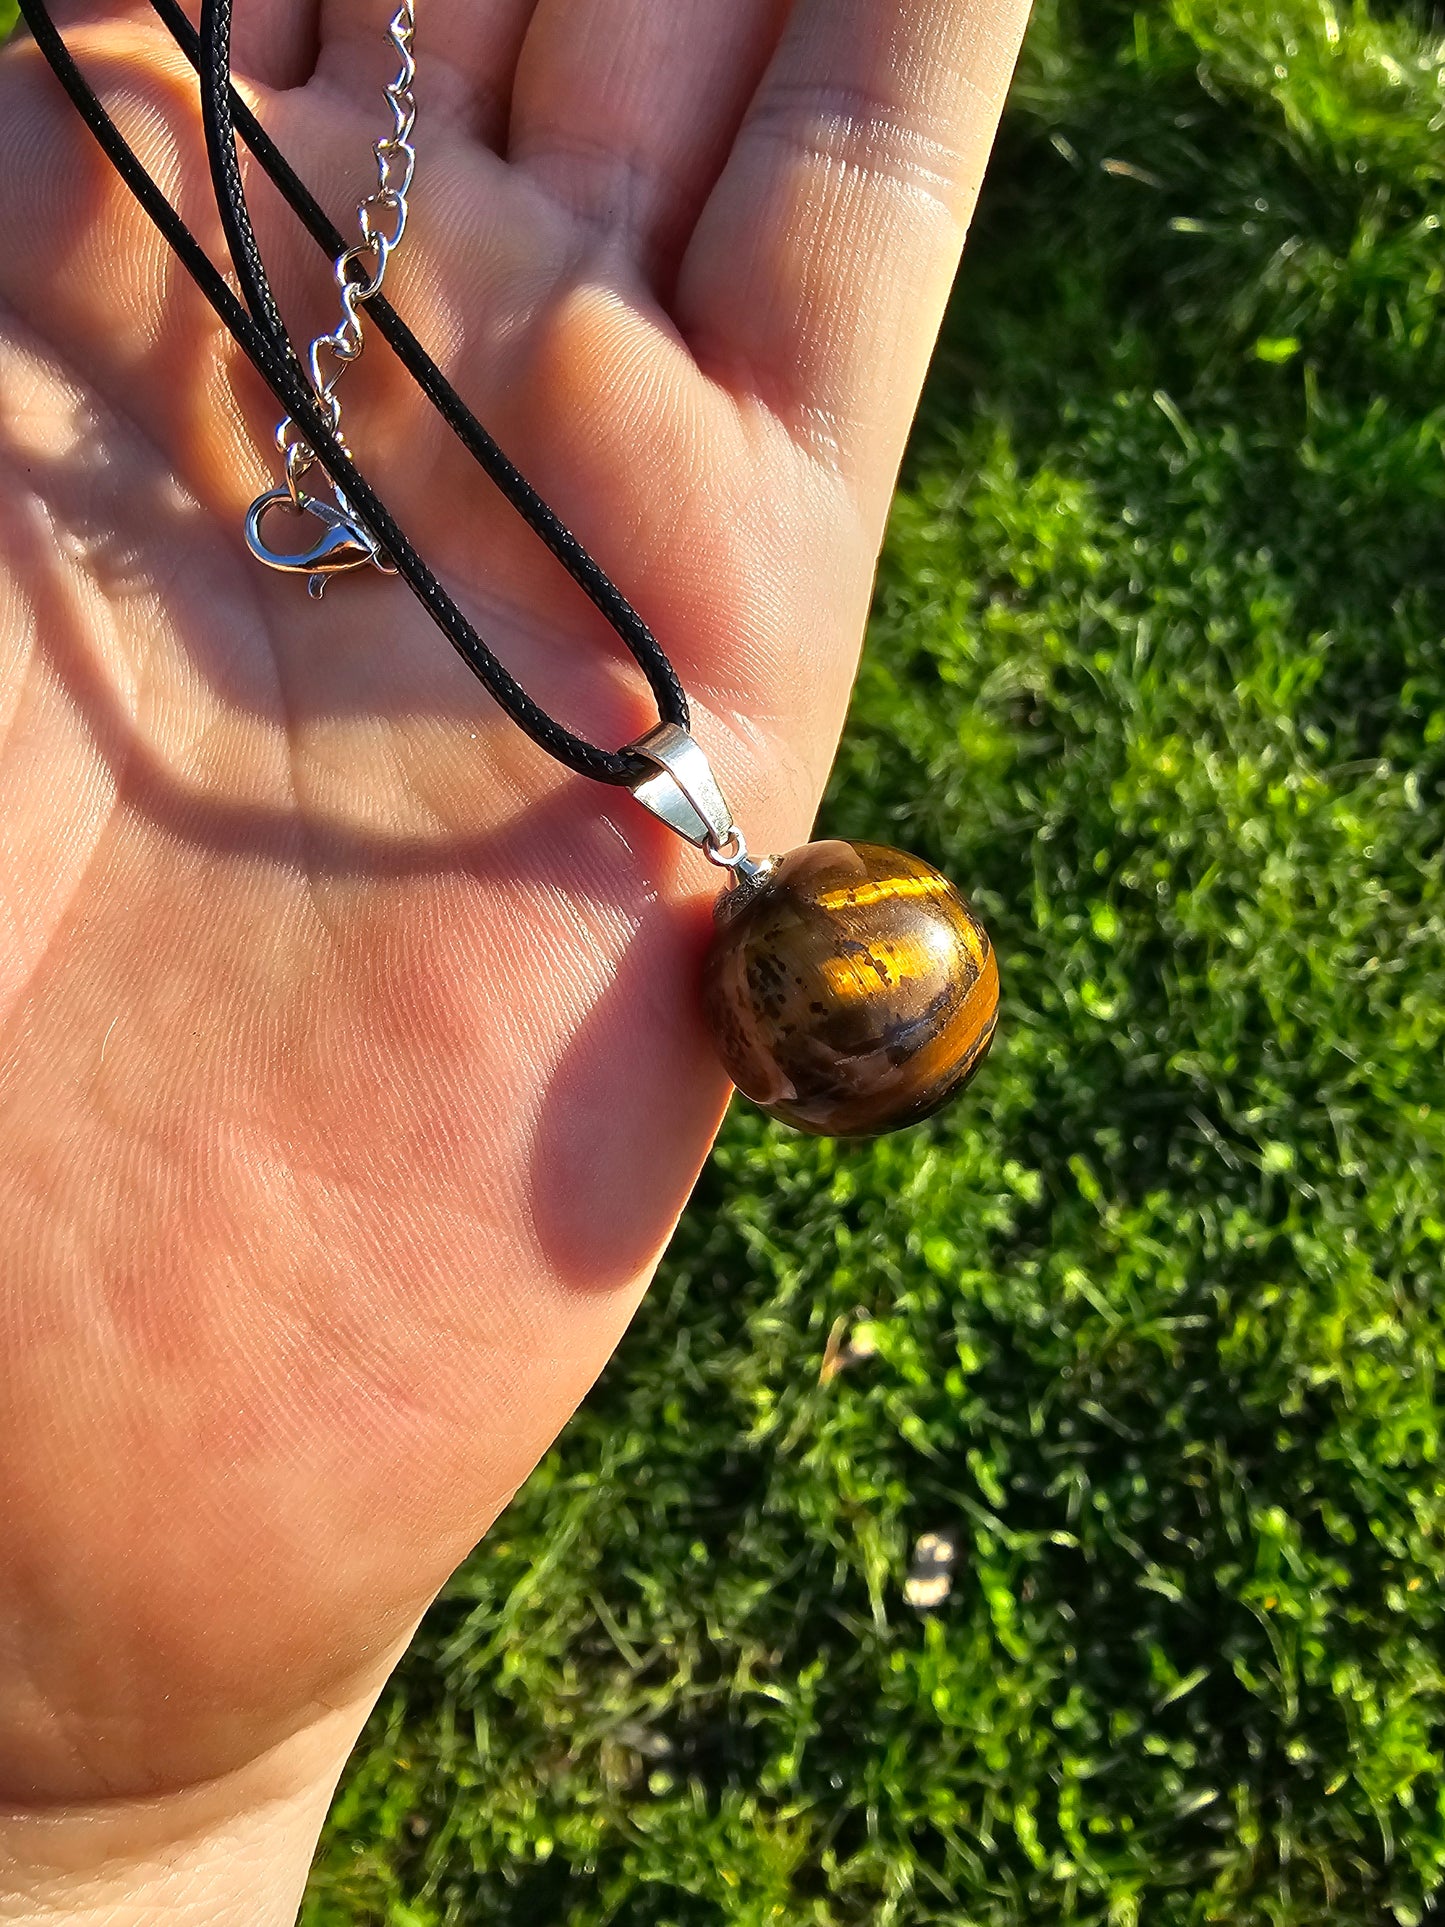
[849, 988]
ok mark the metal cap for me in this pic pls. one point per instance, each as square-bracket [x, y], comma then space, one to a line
[682, 791]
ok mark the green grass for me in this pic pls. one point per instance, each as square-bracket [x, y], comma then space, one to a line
[1157, 671]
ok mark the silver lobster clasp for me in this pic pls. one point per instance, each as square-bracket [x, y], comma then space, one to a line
[342, 544]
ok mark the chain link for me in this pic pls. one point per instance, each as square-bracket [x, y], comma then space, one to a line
[360, 270]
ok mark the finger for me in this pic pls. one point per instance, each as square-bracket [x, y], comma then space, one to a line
[819, 269]
[626, 109]
[466, 56]
[273, 41]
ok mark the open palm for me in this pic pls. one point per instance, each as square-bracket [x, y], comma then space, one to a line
[350, 1074]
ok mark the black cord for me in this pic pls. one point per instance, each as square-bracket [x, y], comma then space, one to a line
[275, 361]
[214, 74]
[585, 572]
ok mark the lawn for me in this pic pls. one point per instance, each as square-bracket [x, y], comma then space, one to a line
[1151, 1322]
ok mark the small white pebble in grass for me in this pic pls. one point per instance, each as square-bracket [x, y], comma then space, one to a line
[930, 1577]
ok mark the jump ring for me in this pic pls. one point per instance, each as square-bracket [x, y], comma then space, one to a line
[728, 853]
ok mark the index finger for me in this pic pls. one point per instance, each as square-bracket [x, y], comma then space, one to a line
[817, 276]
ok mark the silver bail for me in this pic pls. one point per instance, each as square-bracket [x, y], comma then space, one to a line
[683, 793]
[681, 790]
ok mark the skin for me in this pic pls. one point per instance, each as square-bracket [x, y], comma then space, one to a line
[351, 1075]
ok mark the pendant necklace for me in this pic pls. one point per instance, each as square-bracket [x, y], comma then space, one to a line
[848, 988]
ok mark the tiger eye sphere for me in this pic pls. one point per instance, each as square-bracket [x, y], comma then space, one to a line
[850, 990]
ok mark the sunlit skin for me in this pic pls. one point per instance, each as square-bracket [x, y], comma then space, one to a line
[351, 1071]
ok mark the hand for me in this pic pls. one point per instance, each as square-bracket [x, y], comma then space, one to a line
[351, 1078]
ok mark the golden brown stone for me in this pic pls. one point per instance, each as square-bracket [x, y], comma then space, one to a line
[851, 992]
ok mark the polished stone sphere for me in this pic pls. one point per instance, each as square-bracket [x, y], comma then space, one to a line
[850, 990]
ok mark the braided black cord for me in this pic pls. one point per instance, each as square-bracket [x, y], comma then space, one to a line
[214, 72]
[210, 53]
[279, 369]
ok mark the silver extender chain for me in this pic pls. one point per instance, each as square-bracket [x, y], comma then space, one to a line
[361, 270]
